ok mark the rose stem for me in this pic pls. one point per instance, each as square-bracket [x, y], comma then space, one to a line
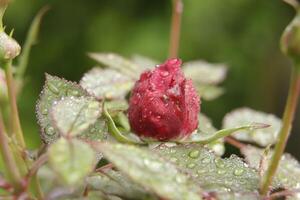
[175, 28]
[288, 118]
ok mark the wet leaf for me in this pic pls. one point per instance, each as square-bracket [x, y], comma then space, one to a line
[54, 89]
[212, 172]
[144, 62]
[151, 171]
[209, 92]
[73, 115]
[117, 62]
[262, 137]
[113, 182]
[202, 72]
[72, 160]
[288, 172]
[106, 83]
[237, 196]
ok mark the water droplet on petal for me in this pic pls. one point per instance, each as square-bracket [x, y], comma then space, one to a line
[164, 73]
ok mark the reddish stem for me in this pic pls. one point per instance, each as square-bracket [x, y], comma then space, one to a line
[175, 28]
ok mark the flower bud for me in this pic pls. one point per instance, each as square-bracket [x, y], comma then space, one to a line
[163, 104]
[290, 39]
[9, 48]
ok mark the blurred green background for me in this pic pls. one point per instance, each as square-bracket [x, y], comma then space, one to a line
[244, 34]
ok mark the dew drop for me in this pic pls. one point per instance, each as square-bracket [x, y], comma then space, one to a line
[205, 160]
[164, 73]
[49, 130]
[45, 111]
[221, 171]
[238, 172]
[71, 92]
[194, 154]
[220, 163]
[191, 165]
[53, 88]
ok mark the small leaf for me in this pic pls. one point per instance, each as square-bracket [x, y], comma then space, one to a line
[288, 172]
[151, 171]
[106, 83]
[212, 172]
[72, 159]
[117, 63]
[205, 73]
[73, 115]
[54, 89]
[262, 137]
[115, 183]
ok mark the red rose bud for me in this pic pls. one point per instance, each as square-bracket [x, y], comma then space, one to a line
[164, 105]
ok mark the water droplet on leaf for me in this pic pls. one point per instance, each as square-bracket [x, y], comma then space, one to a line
[53, 88]
[49, 130]
[194, 154]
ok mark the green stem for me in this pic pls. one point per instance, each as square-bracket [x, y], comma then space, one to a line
[175, 28]
[9, 161]
[29, 42]
[16, 125]
[288, 118]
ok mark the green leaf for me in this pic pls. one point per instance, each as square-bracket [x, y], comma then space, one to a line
[202, 72]
[151, 171]
[106, 83]
[212, 172]
[117, 62]
[73, 115]
[262, 137]
[113, 182]
[30, 41]
[288, 172]
[209, 92]
[72, 160]
[54, 89]
[237, 196]
[143, 62]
